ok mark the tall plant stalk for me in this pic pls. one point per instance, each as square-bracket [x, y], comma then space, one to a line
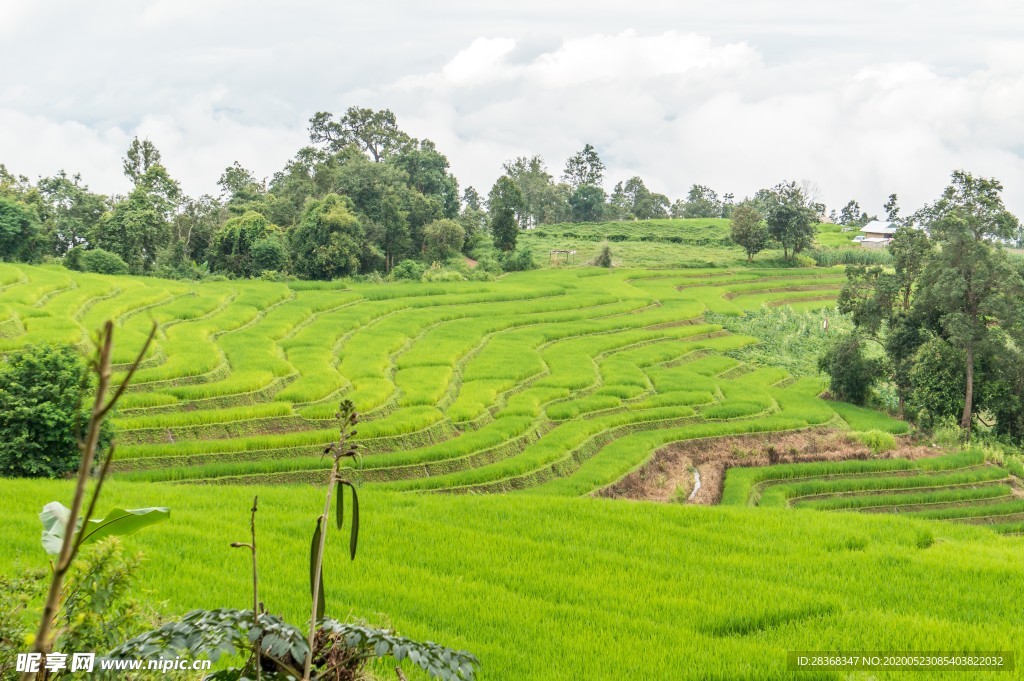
[258, 643]
[339, 450]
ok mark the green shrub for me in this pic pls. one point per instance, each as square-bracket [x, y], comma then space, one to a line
[43, 390]
[947, 432]
[73, 258]
[443, 239]
[851, 373]
[102, 262]
[877, 441]
[97, 613]
[409, 270]
[519, 260]
[269, 253]
[437, 273]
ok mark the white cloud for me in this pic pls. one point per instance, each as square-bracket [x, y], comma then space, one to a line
[726, 93]
[682, 108]
[479, 60]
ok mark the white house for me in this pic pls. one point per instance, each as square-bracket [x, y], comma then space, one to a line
[877, 234]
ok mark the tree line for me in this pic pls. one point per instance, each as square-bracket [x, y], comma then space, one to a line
[363, 196]
[944, 327]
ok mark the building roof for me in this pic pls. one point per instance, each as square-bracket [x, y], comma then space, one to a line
[879, 227]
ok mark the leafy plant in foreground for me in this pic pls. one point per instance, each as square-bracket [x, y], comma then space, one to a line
[279, 650]
[56, 538]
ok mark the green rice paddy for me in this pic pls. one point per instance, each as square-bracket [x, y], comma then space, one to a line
[491, 411]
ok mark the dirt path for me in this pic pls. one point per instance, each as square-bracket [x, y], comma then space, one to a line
[672, 472]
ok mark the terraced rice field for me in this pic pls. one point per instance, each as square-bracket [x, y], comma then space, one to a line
[550, 381]
[550, 385]
[958, 487]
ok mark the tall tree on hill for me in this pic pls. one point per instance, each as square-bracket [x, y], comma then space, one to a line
[231, 247]
[473, 217]
[427, 171]
[701, 202]
[587, 203]
[790, 220]
[311, 174]
[910, 249]
[584, 168]
[69, 212]
[471, 198]
[633, 199]
[542, 199]
[240, 190]
[444, 239]
[728, 203]
[968, 284]
[504, 202]
[373, 132]
[852, 215]
[139, 226]
[195, 223]
[136, 229]
[748, 230]
[379, 192]
[143, 166]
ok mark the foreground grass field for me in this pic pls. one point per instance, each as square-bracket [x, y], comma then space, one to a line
[585, 588]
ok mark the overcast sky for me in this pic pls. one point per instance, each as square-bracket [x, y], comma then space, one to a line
[863, 98]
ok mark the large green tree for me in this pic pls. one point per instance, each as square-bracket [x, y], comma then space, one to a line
[70, 212]
[584, 168]
[144, 167]
[910, 249]
[444, 239]
[632, 199]
[504, 202]
[791, 221]
[543, 200]
[329, 242]
[241, 191]
[969, 284]
[231, 247]
[748, 230]
[194, 224]
[373, 132]
[19, 231]
[136, 229]
[701, 202]
[426, 171]
[587, 203]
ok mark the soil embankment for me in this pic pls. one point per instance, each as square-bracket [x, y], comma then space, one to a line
[670, 474]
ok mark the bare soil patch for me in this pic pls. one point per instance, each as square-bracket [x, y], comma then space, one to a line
[668, 476]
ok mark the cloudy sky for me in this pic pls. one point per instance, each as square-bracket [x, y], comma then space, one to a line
[863, 98]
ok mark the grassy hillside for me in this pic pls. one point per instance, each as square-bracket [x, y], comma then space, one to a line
[668, 243]
[585, 588]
